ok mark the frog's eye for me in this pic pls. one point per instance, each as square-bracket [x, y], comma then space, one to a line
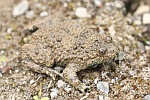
[108, 39]
[102, 51]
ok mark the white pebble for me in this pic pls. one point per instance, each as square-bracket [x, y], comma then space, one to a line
[146, 18]
[112, 30]
[81, 12]
[16, 70]
[132, 72]
[60, 84]
[103, 87]
[54, 93]
[98, 3]
[21, 8]
[44, 13]
[101, 97]
[1, 75]
[32, 81]
[9, 30]
[142, 9]
[101, 31]
[147, 97]
[113, 81]
[137, 22]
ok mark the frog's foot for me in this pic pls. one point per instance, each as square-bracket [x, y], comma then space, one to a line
[41, 69]
[70, 76]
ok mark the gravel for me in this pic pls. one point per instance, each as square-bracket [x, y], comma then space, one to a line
[21, 8]
[103, 87]
[81, 12]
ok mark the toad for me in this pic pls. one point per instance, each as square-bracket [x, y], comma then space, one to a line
[68, 44]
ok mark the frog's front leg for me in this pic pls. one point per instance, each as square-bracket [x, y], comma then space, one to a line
[41, 69]
[70, 75]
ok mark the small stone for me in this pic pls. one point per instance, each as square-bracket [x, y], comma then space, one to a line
[16, 70]
[146, 18]
[103, 87]
[112, 30]
[113, 81]
[140, 46]
[147, 97]
[21, 8]
[44, 13]
[98, 3]
[18, 90]
[132, 72]
[137, 22]
[30, 14]
[54, 93]
[142, 9]
[9, 30]
[1, 75]
[118, 4]
[81, 12]
[32, 81]
[60, 84]
[101, 31]
[101, 97]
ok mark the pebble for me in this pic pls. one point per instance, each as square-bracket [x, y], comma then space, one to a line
[147, 97]
[98, 3]
[32, 81]
[1, 75]
[54, 93]
[119, 4]
[60, 84]
[137, 22]
[81, 12]
[9, 30]
[103, 87]
[140, 45]
[30, 14]
[146, 18]
[101, 97]
[142, 9]
[112, 30]
[101, 31]
[43, 13]
[132, 72]
[21, 8]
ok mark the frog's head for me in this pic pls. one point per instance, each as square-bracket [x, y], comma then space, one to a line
[109, 49]
[104, 47]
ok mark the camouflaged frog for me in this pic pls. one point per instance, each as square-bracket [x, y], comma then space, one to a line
[70, 45]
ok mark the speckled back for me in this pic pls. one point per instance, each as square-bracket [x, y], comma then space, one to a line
[70, 41]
